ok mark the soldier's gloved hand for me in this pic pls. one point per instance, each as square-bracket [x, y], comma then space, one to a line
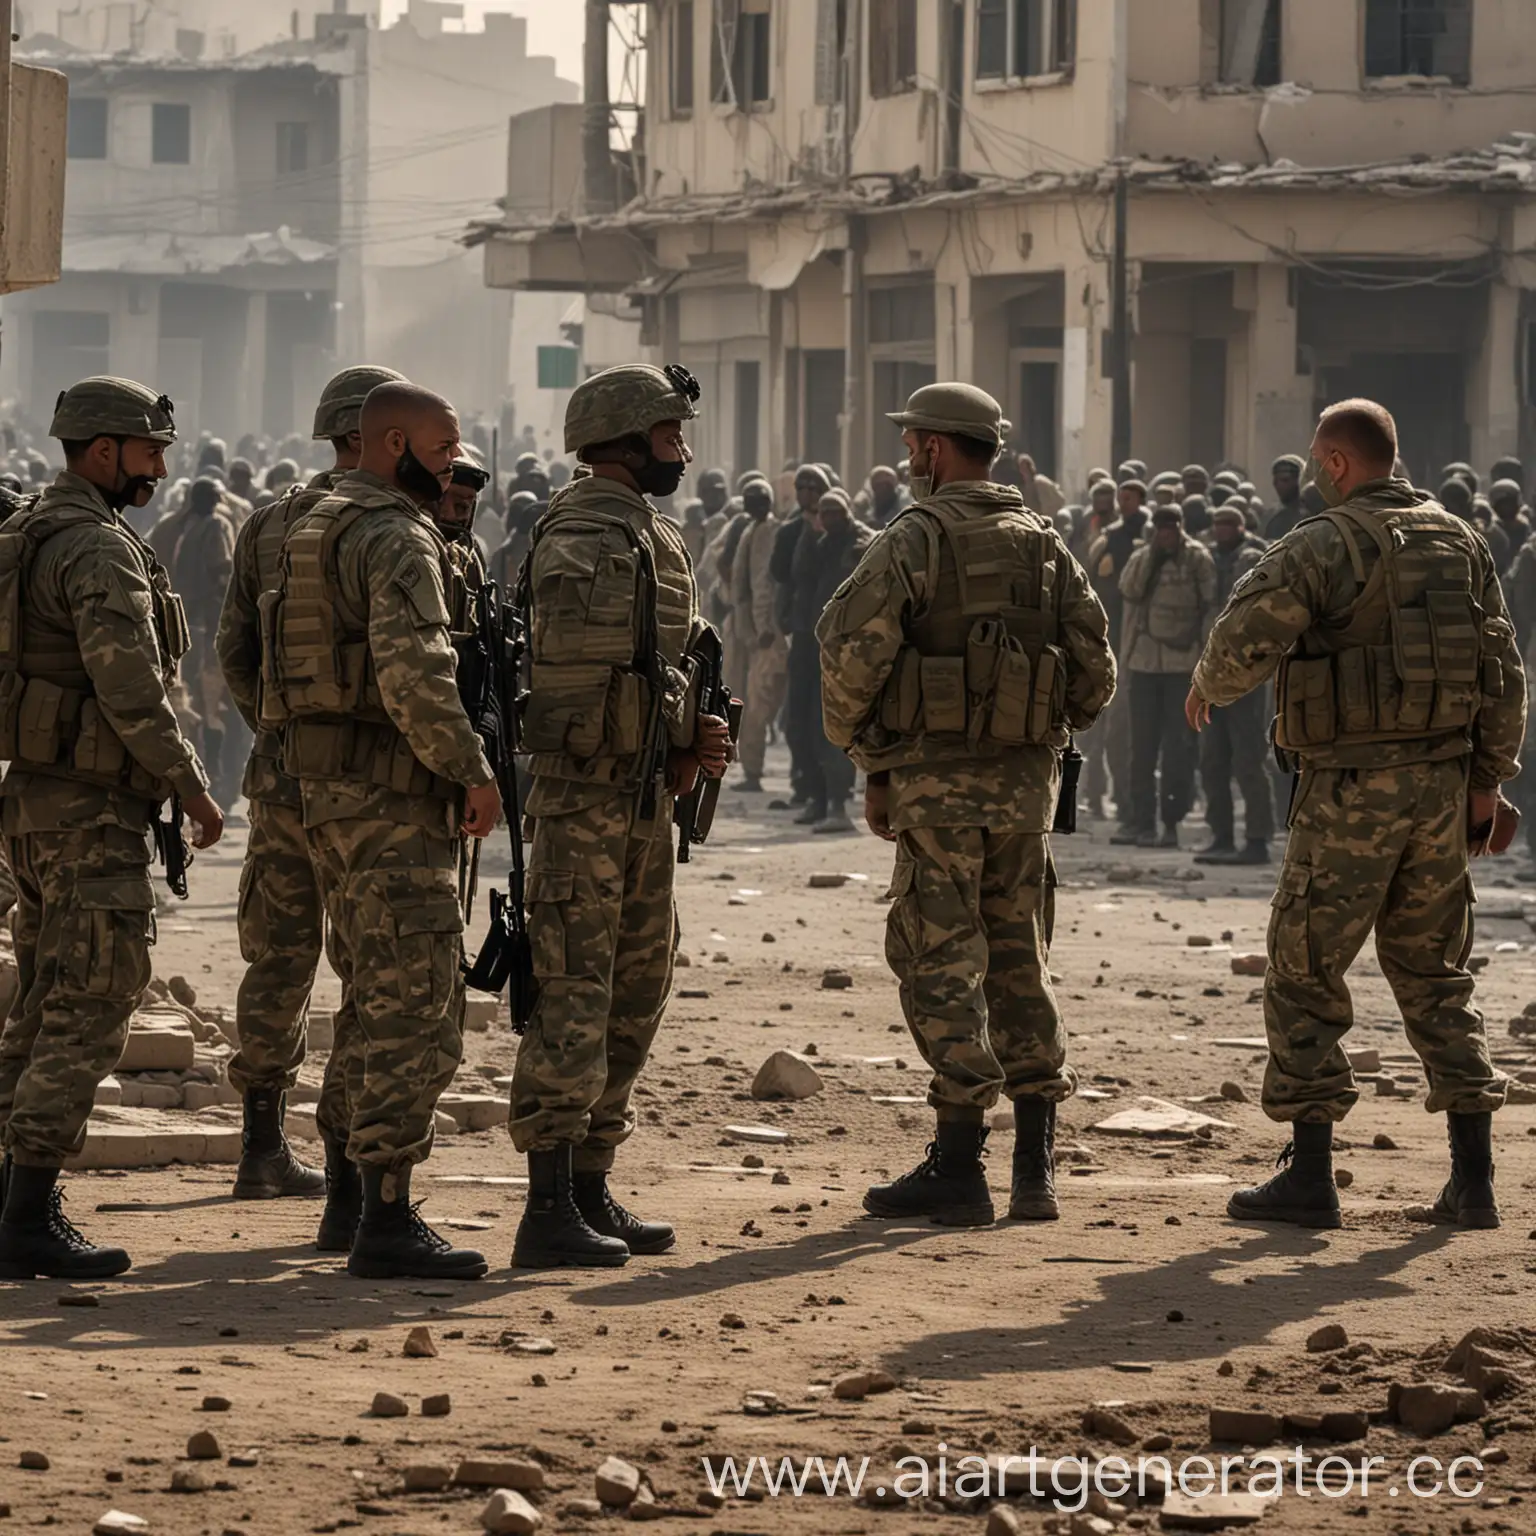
[712, 746]
[482, 806]
[206, 818]
[877, 809]
[682, 772]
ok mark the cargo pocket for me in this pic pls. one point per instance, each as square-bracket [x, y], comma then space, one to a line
[1290, 925]
[251, 914]
[1459, 949]
[902, 926]
[428, 926]
[104, 946]
[548, 897]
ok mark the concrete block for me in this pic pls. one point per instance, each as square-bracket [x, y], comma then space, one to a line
[151, 1048]
[161, 1096]
[321, 1029]
[109, 1091]
[474, 1111]
[481, 1012]
[299, 1122]
[154, 1139]
[444, 1124]
[196, 1096]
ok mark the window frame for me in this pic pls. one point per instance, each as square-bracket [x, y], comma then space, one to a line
[1270, 32]
[1056, 23]
[71, 139]
[892, 47]
[156, 108]
[288, 168]
[745, 64]
[1395, 81]
[681, 50]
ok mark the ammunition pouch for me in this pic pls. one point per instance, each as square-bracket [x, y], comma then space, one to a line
[585, 710]
[360, 750]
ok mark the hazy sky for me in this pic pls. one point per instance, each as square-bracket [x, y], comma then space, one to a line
[554, 26]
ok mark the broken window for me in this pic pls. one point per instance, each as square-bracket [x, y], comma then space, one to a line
[1419, 37]
[170, 133]
[831, 38]
[87, 128]
[1016, 39]
[741, 71]
[1250, 42]
[292, 148]
[682, 58]
[892, 47]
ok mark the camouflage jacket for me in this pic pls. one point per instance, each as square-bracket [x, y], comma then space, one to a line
[1308, 580]
[866, 626]
[256, 567]
[389, 569]
[89, 590]
[1170, 600]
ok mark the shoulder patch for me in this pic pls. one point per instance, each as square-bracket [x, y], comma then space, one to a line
[1259, 579]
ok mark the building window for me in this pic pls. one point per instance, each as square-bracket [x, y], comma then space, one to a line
[171, 133]
[741, 73]
[1419, 37]
[682, 58]
[87, 128]
[1016, 39]
[1250, 42]
[892, 47]
[903, 314]
[292, 148]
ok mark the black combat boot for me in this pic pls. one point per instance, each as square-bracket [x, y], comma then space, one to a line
[37, 1239]
[394, 1243]
[268, 1169]
[1467, 1201]
[836, 819]
[343, 1197]
[608, 1218]
[747, 784]
[815, 810]
[1034, 1169]
[1221, 850]
[949, 1186]
[1303, 1192]
[554, 1234]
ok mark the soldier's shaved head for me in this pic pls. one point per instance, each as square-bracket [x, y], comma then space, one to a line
[1364, 430]
[402, 405]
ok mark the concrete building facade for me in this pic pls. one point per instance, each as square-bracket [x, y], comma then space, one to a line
[846, 198]
[236, 228]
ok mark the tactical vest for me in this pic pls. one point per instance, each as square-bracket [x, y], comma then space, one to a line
[49, 718]
[589, 719]
[981, 666]
[1413, 656]
[318, 683]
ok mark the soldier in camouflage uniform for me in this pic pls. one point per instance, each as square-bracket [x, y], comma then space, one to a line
[358, 671]
[1401, 697]
[281, 918]
[613, 731]
[455, 519]
[90, 634]
[955, 660]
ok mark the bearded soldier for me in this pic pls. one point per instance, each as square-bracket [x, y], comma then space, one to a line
[455, 519]
[90, 635]
[1401, 698]
[955, 660]
[358, 669]
[613, 732]
[281, 917]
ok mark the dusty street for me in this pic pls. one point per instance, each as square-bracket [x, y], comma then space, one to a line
[1144, 1294]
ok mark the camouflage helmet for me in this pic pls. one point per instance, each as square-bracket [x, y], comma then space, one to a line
[959, 409]
[630, 398]
[108, 407]
[341, 401]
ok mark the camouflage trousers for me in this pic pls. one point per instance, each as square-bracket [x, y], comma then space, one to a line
[767, 676]
[85, 918]
[968, 937]
[1384, 849]
[281, 922]
[604, 929]
[389, 893]
[7, 884]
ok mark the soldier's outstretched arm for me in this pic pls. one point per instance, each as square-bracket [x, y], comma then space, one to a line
[1269, 610]
[1499, 729]
[113, 609]
[416, 663]
[862, 629]
[1085, 637]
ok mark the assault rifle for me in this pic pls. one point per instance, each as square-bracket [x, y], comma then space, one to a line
[1065, 821]
[490, 661]
[694, 813]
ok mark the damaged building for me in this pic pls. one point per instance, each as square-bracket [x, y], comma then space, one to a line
[236, 225]
[839, 200]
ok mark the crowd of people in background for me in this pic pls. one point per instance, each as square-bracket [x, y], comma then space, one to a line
[1162, 550]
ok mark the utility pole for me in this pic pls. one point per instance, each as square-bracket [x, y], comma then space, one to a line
[600, 186]
[1120, 306]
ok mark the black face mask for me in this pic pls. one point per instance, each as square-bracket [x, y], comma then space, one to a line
[124, 496]
[660, 477]
[415, 479]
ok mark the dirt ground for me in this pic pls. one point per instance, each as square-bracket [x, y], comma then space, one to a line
[1144, 1294]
